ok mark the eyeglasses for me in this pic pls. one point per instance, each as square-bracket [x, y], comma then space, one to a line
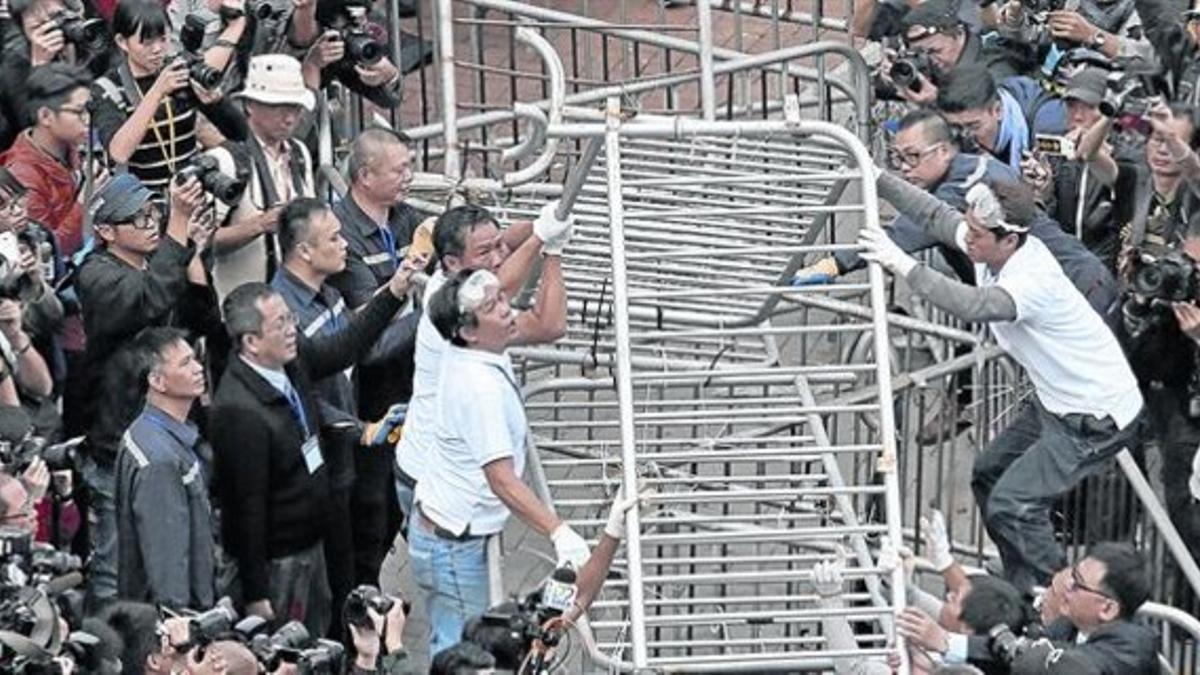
[15, 205]
[1078, 585]
[143, 221]
[910, 158]
[81, 112]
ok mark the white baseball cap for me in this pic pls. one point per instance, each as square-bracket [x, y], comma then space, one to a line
[276, 79]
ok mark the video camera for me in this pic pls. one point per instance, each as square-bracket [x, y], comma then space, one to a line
[191, 38]
[206, 169]
[510, 630]
[1129, 95]
[16, 457]
[292, 644]
[88, 34]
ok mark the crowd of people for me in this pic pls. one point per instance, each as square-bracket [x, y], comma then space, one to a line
[1045, 153]
[271, 384]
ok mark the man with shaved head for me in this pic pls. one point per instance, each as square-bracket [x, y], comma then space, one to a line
[378, 228]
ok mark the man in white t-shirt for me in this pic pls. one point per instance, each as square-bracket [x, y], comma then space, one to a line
[1087, 404]
[468, 237]
[474, 478]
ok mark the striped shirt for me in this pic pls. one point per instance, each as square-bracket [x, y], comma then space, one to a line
[168, 143]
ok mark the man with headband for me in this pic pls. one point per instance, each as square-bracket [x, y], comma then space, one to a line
[464, 441]
[1087, 404]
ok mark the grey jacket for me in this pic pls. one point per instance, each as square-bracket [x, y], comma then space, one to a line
[164, 518]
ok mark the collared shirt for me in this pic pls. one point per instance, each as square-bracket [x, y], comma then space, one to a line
[370, 262]
[480, 420]
[164, 518]
[276, 378]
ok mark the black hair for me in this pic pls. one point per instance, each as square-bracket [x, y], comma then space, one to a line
[1019, 205]
[935, 127]
[364, 148]
[967, 88]
[149, 345]
[1126, 576]
[50, 86]
[443, 310]
[452, 227]
[992, 601]
[136, 623]
[146, 19]
[295, 221]
[241, 310]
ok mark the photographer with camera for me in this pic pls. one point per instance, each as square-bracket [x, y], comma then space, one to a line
[935, 43]
[1110, 27]
[46, 32]
[277, 166]
[1175, 35]
[133, 280]
[996, 116]
[348, 53]
[1087, 404]
[148, 102]
[376, 625]
[164, 519]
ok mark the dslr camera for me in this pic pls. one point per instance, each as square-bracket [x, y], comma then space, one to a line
[191, 38]
[362, 49]
[365, 597]
[261, 10]
[87, 34]
[1128, 97]
[292, 644]
[1166, 276]
[16, 457]
[206, 170]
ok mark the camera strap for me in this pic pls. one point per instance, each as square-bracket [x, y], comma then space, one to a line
[270, 195]
[1141, 209]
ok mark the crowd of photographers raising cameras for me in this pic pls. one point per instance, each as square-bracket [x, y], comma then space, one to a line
[223, 396]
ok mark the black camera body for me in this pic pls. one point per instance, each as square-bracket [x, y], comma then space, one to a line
[359, 600]
[1043, 6]
[191, 38]
[1004, 645]
[361, 48]
[89, 34]
[211, 625]
[908, 67]
[206, 170]
[1165, 276]
[283, 646]
[261, 10]
[1128, 97]
[18, 456]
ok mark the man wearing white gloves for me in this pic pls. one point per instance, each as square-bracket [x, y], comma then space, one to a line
[471, 476]
[1087, 404]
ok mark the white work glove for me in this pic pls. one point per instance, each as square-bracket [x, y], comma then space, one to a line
[881, 249]
[891, 557]
[569, 546]
[555, 245]
[548, 228]
[827, 575]
[933, 529]
[615, 527]
[1194, 483]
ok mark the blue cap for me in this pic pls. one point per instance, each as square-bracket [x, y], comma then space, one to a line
[119, 200]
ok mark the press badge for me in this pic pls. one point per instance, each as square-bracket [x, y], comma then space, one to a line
[312, 454]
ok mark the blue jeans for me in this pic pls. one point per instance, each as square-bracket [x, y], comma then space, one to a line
[102, 525]
[453, 577]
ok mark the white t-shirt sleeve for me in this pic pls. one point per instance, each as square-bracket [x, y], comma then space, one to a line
[1029, 292]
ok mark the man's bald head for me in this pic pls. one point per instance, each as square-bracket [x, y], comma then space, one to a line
[380, 168]
[370, 147]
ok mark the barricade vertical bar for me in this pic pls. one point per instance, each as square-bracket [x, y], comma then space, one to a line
[612, 146]
[445, 30]
[708, 103]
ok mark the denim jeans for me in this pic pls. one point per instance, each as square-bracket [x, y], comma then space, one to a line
[1016, 479]
[102, 526]
[453, 577]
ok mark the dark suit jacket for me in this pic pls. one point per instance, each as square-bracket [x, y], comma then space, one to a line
[272, 505]
[1118, 648]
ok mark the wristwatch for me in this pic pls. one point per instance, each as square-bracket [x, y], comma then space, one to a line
[1098, 40]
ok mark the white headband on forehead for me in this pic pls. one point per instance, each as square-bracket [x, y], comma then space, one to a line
[474, 290]
[986, 207]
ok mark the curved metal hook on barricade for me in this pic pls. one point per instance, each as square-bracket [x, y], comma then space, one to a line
[558, 95]
[535, 130]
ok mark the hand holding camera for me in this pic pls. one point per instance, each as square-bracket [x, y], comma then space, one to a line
[328, 49]
[45, 43]
[376, 621]
[172, 78]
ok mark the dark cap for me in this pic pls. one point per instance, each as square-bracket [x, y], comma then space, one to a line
[119, 200]
[1087, 86]
[932, 16]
